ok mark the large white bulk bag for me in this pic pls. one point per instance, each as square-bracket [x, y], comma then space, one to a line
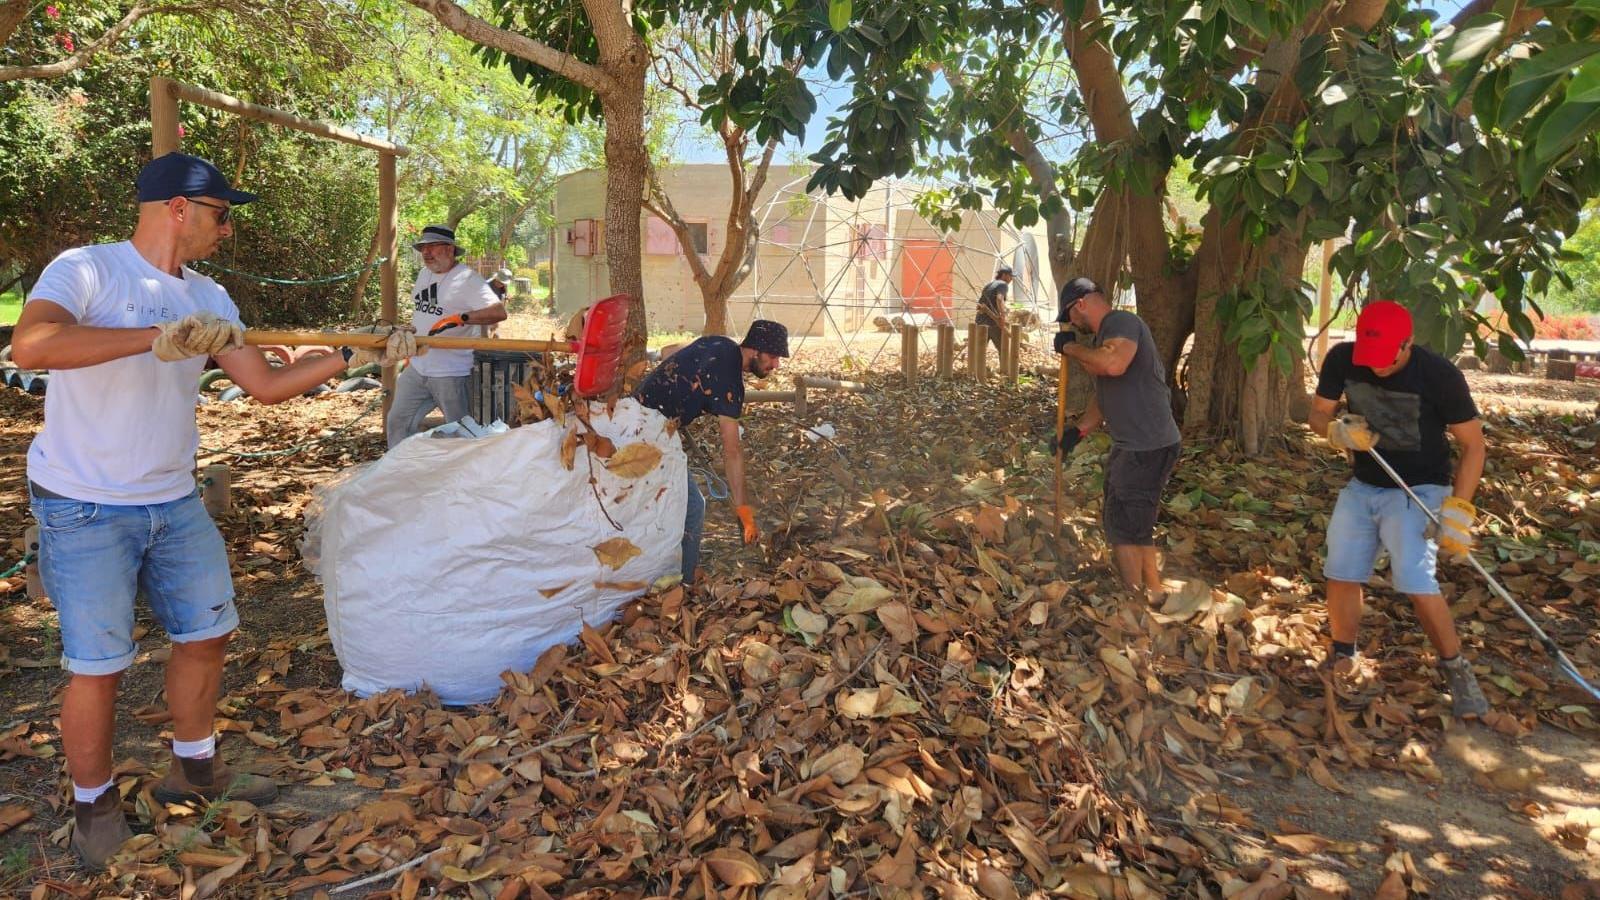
[451, 560]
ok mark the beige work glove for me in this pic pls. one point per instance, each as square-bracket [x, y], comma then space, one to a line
[402, 344]
[1457, 519]
[1352, 433]
[202, 334]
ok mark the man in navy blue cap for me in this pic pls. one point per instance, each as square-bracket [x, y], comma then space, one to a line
[706, 378]
[125, 330]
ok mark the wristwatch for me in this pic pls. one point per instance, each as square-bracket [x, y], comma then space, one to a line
[466, 317]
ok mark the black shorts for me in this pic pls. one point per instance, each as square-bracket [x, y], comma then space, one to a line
[1134, 481]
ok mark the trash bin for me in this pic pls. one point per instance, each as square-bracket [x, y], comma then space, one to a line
[494, 374]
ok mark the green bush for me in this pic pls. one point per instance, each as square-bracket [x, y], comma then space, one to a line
[541, 273]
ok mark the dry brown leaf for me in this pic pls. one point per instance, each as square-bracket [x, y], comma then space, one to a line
[634, 460]
[898, 622]
[843, 764]
[12, 815]
[735, 868]
[569, 448]
[615, 552]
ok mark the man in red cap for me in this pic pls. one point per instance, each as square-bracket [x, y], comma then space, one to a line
[1403, 399]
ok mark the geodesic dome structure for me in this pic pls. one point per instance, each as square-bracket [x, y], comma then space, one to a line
[840, 272]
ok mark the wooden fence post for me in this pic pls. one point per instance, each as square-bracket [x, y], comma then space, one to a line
[945, 352]
[977, 351]
[908, 352]
[1015, 359]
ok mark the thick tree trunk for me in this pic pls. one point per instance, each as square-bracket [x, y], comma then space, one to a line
[625, 186]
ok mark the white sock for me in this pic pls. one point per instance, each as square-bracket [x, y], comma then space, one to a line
[201, 749]
[89, 795]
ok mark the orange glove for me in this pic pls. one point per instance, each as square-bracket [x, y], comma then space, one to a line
[748, 520]
[447, 323]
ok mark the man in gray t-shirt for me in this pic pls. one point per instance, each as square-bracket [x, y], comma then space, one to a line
[1132, 400]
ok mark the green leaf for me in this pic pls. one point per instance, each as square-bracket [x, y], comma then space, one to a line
[1569, 124]
[840, 13]
[1480, 34]
[1585, 85]
[1556, 61]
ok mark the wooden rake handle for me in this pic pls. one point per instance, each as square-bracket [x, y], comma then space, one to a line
[257, 338]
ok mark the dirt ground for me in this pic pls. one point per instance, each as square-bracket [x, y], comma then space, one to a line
[1494, 815]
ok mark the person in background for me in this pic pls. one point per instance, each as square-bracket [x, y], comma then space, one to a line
[448, 298]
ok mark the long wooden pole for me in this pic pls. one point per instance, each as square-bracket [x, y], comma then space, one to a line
[261, 338]
[388, 276]
[1061, 424]
[1324, 300]
[180, 91]
[163, 117]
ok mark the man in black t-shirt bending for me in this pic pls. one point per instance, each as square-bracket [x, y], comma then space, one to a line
[706, 378]
[992, 303]
[1402, 399]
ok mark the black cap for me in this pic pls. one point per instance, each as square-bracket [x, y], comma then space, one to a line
[767, 336]
[182, 175]
[1004, 270]
[1072, 292]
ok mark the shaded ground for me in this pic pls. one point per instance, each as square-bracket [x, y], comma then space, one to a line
[1218, 699]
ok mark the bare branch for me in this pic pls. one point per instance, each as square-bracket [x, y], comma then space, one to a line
[521, 46]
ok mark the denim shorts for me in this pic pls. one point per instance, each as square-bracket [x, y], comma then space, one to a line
[1366, 518]
[95, 558]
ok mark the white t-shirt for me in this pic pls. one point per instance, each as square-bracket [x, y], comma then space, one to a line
[437, 296]
[122, 432]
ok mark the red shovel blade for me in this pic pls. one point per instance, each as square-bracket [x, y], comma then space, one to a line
[601, 347]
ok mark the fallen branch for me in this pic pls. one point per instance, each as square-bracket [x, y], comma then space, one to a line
[385, 874]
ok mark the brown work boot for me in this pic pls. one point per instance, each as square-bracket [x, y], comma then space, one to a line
[99, 829]
[211, 779]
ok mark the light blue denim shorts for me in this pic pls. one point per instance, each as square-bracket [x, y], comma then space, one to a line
[95, 558]
[1367, 518]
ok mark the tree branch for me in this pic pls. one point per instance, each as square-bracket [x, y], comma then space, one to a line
[660, 204]
[521, 46]
[77, 59]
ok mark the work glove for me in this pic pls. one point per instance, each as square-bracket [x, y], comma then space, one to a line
[448, 322]
[747, 521]
[202, 334]
[1063, 338]
[1352, 433]
[1457, 518]
[1070, 436]
[402, 344]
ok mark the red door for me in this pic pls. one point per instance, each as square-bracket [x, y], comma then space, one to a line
[925, 278]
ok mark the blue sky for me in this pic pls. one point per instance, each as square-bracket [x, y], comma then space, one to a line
[697, 147]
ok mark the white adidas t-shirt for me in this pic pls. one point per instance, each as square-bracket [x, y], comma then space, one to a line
[437, 296]
[122, 432]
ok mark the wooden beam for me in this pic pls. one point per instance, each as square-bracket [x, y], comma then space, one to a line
[163, 118]
[909, 348]
[977, 349]
[945, 353]
[388, 275]
[854, 387]
[1014, 354]
[1324, 300]
[243, 109]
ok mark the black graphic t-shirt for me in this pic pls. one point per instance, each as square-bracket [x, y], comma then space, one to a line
[1408, 410]
[704, 378]
[994, 294]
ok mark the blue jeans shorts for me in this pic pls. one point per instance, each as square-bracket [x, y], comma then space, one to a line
[95, 558]
[1366, 518]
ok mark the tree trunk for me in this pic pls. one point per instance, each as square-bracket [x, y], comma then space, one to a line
[364, 277]
[625, 186]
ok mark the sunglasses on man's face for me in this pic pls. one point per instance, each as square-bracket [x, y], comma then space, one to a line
[226, 211]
